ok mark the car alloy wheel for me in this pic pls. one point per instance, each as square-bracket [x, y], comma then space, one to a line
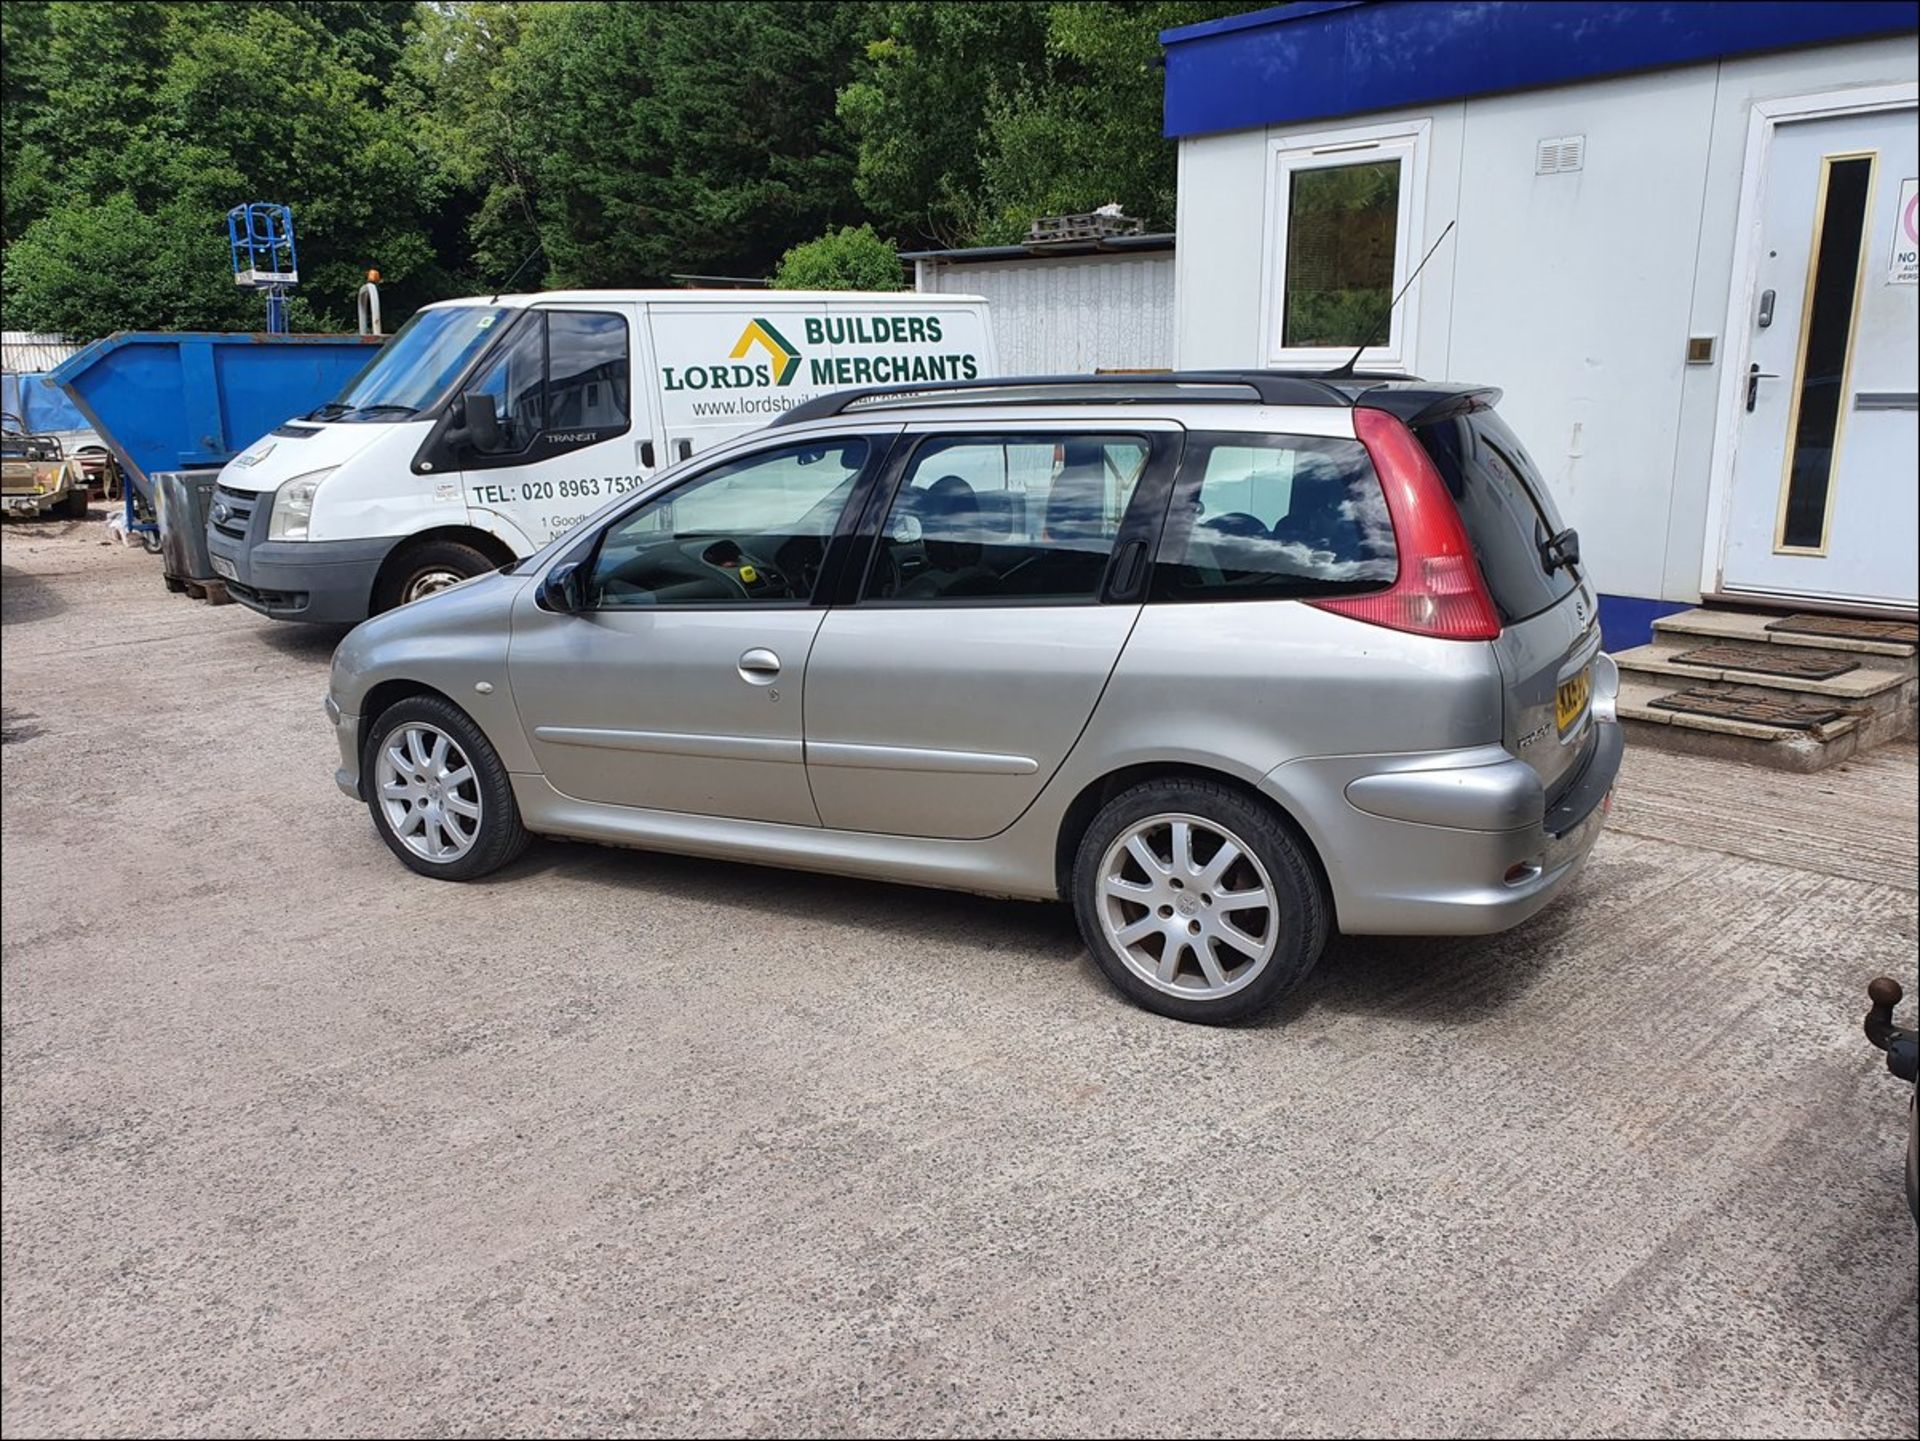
[428, 792]
[1187, 906]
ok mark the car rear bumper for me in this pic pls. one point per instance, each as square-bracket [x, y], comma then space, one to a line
[326, 582]
[1429, 845]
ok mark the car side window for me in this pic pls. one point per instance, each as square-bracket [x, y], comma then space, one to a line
[1030, 517]
[1266, 517]
[751, 530]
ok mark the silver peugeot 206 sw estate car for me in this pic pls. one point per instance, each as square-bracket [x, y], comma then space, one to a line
[1227, 660]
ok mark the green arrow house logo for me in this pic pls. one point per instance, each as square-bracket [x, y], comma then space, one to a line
[786, 359]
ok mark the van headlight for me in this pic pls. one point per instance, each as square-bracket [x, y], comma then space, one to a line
[293, 505]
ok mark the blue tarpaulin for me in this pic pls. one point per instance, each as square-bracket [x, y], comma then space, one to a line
[39, 404]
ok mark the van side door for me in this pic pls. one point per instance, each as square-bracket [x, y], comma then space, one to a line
[1000, 574]
[572, 425]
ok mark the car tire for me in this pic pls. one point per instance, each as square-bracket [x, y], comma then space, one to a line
[1260, 914]
[438, 823]
[420, 570]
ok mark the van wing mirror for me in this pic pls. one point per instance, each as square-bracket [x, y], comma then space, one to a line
[479, 426]
[563, 591]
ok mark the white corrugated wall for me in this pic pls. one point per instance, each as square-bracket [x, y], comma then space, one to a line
[1072, 315]
[25, 353]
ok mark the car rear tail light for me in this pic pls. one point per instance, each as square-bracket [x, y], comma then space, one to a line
[1439, 591]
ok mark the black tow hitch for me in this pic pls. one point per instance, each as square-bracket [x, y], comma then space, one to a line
[1903, 1059]
[1902, 1047]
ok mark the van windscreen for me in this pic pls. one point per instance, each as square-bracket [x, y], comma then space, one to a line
[412, 371]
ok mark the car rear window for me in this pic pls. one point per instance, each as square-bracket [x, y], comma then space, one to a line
[1508, 513]
[1267, 517]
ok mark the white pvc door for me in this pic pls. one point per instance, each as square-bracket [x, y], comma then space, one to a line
[1823, 502]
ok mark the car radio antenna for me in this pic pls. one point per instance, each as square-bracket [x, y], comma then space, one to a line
[1387, 315]
[516, 271]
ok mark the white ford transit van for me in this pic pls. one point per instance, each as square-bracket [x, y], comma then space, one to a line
[487, 426]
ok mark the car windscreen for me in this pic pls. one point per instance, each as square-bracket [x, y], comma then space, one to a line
[414, 369]
[1508, 512]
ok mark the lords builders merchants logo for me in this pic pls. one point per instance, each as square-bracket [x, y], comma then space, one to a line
[876, 366]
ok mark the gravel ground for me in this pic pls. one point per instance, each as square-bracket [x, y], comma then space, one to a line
[296, 1142]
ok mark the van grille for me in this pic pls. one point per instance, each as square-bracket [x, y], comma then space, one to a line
[232, 511]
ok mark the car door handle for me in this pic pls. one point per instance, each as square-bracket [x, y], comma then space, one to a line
[1127, 570]
[646, 454]
[759, 664]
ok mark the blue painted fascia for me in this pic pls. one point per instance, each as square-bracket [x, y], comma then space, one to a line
[1343, 57]
[1627, 621]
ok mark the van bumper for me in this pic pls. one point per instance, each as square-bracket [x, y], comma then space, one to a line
[326, 582]
[1457, 844]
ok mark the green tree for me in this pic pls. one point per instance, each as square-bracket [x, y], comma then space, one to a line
[369, 35]
[1088, 134]
[26, 179]
[470, 83]
[611, 144]
[917, 108]
[157, 118]
[673, 138]
[974, 119]
[261, 110]
[851, 259]
[87, 270]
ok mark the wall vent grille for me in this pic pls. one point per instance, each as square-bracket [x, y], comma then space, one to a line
[1561, 154]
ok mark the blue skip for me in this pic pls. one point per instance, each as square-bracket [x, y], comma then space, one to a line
[188, 400]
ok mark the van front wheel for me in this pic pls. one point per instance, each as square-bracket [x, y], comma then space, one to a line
[422, 569]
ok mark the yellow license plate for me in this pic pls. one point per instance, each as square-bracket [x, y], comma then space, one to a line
[1570, 701]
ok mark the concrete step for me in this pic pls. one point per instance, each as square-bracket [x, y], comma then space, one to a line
[1873, 677]
[1781, 747]
[1751, 626]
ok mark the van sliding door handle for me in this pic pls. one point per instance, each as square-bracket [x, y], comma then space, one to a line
[682, 449]
[646, 454]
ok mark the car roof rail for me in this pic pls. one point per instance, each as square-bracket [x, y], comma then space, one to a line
[1219, 387]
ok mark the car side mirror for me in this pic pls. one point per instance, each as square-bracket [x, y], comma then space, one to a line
[479, 426]
[563, 591]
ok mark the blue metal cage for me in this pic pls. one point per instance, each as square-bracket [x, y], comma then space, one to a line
[260, 237]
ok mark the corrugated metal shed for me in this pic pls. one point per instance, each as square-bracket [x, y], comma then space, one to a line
[25, 353]
[1066, 311]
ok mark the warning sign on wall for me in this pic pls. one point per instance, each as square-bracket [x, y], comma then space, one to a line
[1906, 236]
